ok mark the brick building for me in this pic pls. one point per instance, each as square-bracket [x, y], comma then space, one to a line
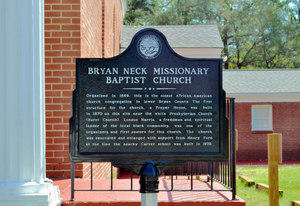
[74, 28]
[267, 101]
[92, 28]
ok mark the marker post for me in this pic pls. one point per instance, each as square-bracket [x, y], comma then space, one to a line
[149, 175]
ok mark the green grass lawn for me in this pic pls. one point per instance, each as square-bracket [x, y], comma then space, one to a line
[289, 182]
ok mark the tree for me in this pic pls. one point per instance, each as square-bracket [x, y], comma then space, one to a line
[138, 12]
[255, 33]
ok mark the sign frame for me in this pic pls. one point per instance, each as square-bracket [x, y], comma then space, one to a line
[131, 158]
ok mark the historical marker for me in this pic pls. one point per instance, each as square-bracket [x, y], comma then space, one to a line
[148, 104]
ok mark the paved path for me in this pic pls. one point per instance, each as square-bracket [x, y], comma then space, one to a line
[192, 198]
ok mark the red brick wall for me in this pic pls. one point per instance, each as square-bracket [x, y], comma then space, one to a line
[253, 146]
[73, 28]
[97, 24]
[112, 25]
[91, 28]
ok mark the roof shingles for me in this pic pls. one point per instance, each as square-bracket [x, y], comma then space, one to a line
[180, 36]
[261, 81]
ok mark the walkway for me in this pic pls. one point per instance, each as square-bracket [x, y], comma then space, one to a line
[122, 198]
[178, 198]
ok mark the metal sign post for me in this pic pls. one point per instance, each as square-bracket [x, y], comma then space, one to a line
[149, 175]
[149, 199]
[148, 109]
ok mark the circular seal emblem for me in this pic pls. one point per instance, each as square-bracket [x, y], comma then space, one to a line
[149, 46]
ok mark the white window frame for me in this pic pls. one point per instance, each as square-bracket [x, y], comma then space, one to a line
[270, 117]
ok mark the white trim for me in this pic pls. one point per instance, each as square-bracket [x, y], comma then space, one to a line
[266, 97]
[22, 111]
[270, 117]
[124, 4]
[199, 52]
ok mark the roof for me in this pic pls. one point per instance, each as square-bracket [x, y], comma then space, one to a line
[262, 81]
[180, 36]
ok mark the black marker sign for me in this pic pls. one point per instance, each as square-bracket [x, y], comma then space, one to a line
[148, 104]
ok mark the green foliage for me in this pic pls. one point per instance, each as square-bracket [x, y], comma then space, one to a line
[255, 33]
[138, 12]
[289, 182]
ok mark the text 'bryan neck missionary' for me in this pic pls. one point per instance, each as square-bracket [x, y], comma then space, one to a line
[159, 79]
